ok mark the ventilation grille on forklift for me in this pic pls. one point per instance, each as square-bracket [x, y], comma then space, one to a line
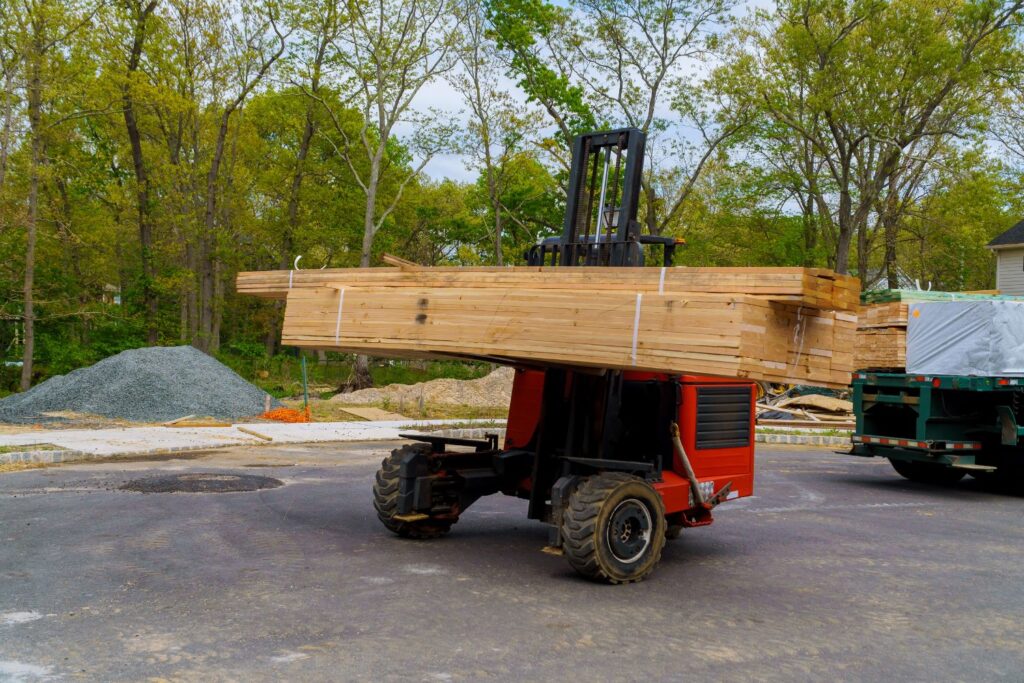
[723, 417]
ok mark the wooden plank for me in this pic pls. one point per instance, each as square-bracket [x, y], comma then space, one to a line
[815, 288]
[719, 334]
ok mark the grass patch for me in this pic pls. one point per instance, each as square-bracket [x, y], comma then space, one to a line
[19, 466]
[281, 375]
[805, 432]
[31, 447]
[332, 411]
[495, 424]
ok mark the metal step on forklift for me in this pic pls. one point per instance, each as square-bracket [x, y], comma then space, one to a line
[614, 462]
[937, 429]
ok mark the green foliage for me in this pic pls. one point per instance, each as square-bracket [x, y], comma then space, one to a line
[829, 129]
[519, 26]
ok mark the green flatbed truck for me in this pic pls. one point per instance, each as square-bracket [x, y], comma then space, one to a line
[937, 428]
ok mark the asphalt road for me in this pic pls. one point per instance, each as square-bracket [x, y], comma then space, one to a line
[837, 569]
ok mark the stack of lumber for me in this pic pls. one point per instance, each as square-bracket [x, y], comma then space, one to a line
[882, 337]
[882, 324]
[780, 325]
[811, 287]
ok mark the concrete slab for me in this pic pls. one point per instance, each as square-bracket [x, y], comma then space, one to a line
[98, 443]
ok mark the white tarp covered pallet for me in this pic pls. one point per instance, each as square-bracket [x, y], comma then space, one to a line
[982, 338]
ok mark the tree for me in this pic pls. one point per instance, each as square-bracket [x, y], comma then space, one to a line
[257, 42]
[383, 55]
[624, 63]
[853, 86]
[137, 14]
[499, 127]
[43, 29]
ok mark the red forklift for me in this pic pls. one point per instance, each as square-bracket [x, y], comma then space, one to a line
[615, 462]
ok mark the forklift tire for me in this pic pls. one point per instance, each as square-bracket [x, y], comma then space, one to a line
[385, 498]
[926, 472]
[613, 528]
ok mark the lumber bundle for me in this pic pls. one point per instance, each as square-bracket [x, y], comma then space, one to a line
[811, 287]
[882, 336]
[704, 333]
[882, 324]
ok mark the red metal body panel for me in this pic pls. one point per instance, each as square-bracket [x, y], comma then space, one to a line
[718, 466]
[524, 410]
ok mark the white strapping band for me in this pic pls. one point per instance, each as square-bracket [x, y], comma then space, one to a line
[291, 274]
[661, 281]
[337, 324]
[798, 335]
[636, 323]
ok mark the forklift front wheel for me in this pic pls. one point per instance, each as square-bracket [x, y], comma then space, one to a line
[385, 498]
[613, 528]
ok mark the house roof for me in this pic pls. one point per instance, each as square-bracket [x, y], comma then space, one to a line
[1014, 235]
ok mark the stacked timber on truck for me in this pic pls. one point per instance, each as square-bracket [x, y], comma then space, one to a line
[882, 337]
[883, 320]
[775, 324]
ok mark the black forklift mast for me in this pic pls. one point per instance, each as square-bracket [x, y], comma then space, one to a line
[601, 207]
[596, 420]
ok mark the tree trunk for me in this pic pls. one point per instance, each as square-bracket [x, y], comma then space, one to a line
[218, 306]
[273, 329]
[141, 177]
[862, 252]
[8, 114]
[493, 195]
[890, 229]
[810, 233]
[208, 244]
[35, 116]
[361, 378]
[499, 256]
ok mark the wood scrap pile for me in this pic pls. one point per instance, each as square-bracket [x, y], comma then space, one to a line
[815, 410]
[774, 324]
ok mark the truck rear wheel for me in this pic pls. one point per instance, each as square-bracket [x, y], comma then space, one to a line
[926, 472]
[613, 528]
[385, 498]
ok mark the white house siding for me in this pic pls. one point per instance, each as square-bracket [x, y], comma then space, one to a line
[1010, 270]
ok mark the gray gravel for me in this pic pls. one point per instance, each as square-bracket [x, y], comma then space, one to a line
[143, 385]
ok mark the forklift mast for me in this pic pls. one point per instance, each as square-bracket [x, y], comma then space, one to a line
[601, 227]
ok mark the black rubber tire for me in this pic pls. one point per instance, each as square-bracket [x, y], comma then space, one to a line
[385, 498]
[926, 472]
[588, 516]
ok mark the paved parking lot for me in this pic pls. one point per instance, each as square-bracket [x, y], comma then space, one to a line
[837, 569]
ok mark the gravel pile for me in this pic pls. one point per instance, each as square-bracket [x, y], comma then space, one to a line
[153, 384]
[492, 391]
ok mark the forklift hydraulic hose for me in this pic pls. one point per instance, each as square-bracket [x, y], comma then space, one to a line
[698, 497]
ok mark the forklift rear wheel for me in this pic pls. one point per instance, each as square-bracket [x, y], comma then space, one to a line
[613, 528]
[385, 498]
[926, 472]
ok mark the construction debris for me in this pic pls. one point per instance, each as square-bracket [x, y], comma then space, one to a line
[155, 384]
[491, 391]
